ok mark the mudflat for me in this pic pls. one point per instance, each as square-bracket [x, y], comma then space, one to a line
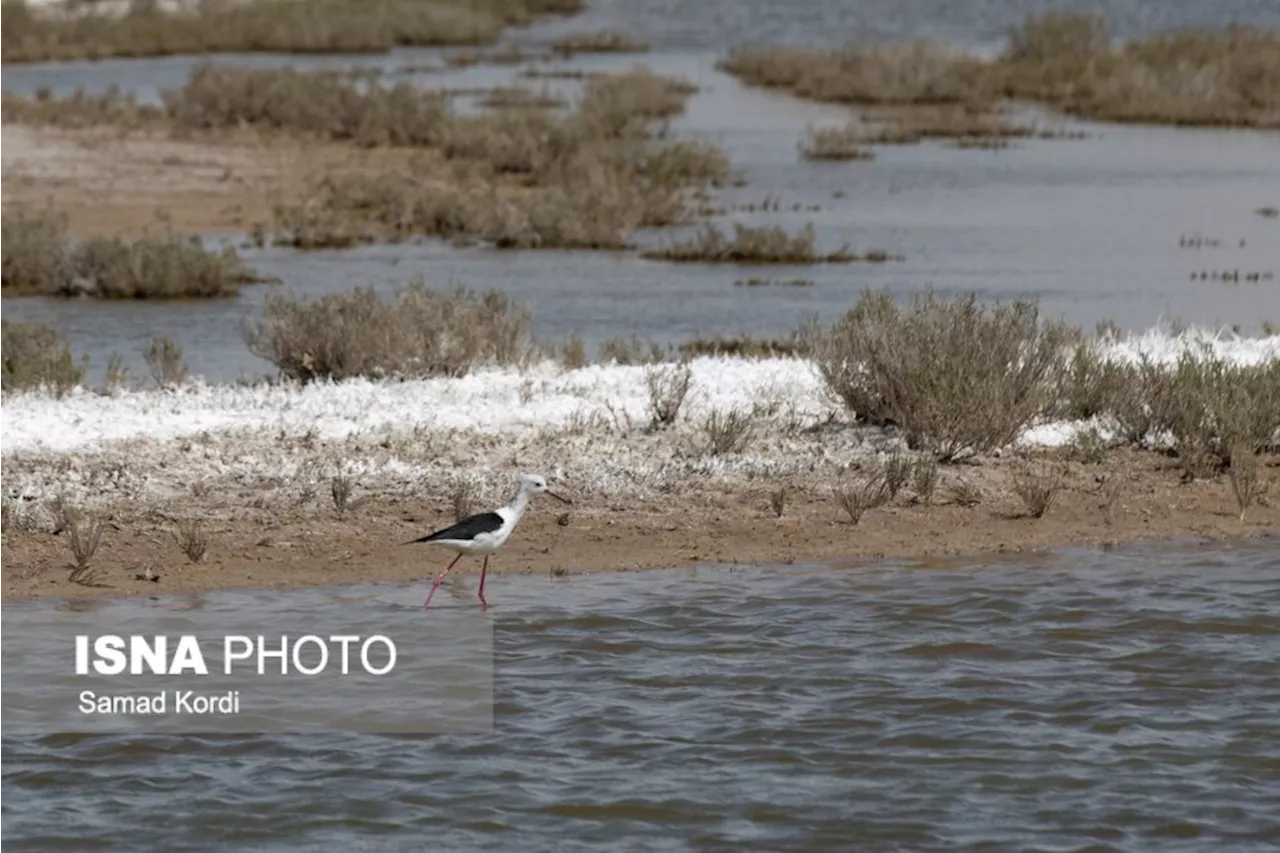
[1133, 496]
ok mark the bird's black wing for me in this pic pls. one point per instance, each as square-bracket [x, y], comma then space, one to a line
[468, 528]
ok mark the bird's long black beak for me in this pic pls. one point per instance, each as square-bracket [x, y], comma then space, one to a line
[557, 497]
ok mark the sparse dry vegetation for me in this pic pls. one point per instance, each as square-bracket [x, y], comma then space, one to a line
[1247, 484]
[191, 538]
[955, 376]
[749, 245]
[668, 386]
[36, 357]
[466, 492]
[835, 143]
[84, 535]
[1228, 77]
[164, 356]
[1037, 486]
[728, 431]
[274, 26]
[855, 495]
[418, 332]
[604, 41]
[40, 260]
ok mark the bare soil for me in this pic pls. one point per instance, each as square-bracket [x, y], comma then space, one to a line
[289, 546]
[113, 183]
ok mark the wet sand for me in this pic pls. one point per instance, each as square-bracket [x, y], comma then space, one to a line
[289, 546]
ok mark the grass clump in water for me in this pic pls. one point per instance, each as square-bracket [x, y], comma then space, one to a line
[834, 143]
[955, 376]
[417, 333]
[35, 357]
[1192, 77]
[603, 41]
[272, 26]
[39, 260]
[748, 245]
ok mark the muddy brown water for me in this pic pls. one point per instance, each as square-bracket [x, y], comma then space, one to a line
[1079, 700]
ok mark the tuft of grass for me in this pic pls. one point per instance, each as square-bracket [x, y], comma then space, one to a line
[748, 245]
[1037, 486]
[924, 478]
[896, 469]
[1246, 483]
[35, 257]
[668, 386]
[860, 494]
[778, 501]
[418, 332]
[1088, 446]
[630, 351]
[164, 356]
[728, 431]
[955, 376]
[84, 531]
[341, 487]
[603, 41]
[33, 357]
[834, 143]
[966, 493]
[465, 495]
[191, 538]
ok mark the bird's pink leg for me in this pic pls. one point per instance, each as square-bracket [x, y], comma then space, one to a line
[483, 571]
[439, 578]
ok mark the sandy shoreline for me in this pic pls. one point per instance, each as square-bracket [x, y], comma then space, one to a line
[256, 465]
[279, 547]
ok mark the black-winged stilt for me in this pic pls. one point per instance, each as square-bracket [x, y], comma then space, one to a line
[486, 532]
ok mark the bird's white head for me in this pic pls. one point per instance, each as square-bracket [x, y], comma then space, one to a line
[536, 484]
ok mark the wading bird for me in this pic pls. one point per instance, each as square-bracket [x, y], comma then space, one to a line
[486, 532]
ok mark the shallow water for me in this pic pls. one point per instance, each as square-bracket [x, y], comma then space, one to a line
[1090, 227]
[1079, 700]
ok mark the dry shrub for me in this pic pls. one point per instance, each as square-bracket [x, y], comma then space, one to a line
[520, 97]
[81, 110]
[778, 501]
[897, 468]
[744, 346]
[630, 350]
[164, 356]
[728, 431]
[1210, 406]
[668, 385]
[748, 245]
[919, 73]
[955, 376]
[1227, 77]
[39, 259]
[1037, 486]
[966, 493]
[191, 538]
[35, 257]
[924, 478]
[604, 41]
[834, 143]
[84, 532]
[35, 357]
[274, 26]
[466, 493]
[1246, 483]
[857, 495]
[527, 179]
[338, 105]
[418, 332]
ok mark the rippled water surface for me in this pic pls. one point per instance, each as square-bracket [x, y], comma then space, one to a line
[1076, 701]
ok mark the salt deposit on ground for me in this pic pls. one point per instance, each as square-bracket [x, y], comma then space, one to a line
[584, 425]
